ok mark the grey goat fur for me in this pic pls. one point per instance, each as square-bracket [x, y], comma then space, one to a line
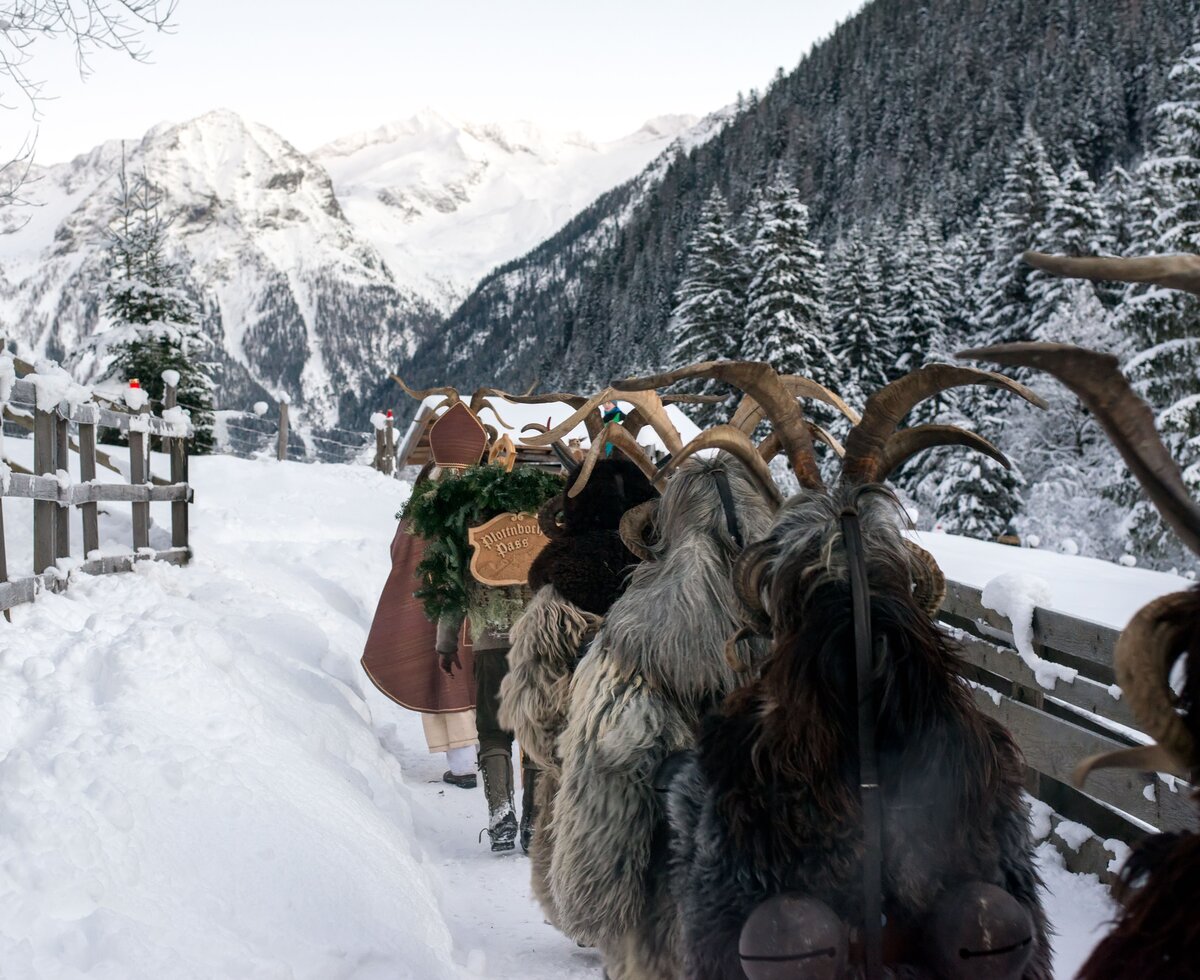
[546, 644]
[656, 667]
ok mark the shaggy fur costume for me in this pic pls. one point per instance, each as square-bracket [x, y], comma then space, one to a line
[769, 802]
[656, 667]
[577, 576]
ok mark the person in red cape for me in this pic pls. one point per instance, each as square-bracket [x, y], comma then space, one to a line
[400, 660]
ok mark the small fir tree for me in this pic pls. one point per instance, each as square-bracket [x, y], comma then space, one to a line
[788, 321]
[709, 316]
[154, 320]
[860, 337]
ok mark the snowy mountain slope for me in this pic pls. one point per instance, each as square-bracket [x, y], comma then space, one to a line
[313, 285]
[296, 302]
[197, 779]
[447, 201]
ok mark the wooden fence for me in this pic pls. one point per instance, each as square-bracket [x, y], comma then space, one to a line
[1057, 728]
[53, 493]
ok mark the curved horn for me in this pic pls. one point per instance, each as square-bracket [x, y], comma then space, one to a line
[1128, 421]
[532, 388]
[1143, 657]
[583, 410]
[762, 383]
[565, 456]
[748, 570]
[536, 426]
[772, 446]
[906, 443]
[491, 408]
[867, 443]
[685, 398]
[729, 439]
[451, 394]
[1173, 271]
[633, 528]
[547, 517]
[620, 438]
[929, 582]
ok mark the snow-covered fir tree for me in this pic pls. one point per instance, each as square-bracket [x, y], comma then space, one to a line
[1018, 219]
[709, 317]
[856, 311]
[1164, 326]
[921, 296]
[154, 325]
[788, 320]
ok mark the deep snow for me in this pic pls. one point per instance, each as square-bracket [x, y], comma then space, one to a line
[197, 780]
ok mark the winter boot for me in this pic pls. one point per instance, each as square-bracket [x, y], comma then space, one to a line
[461, 780]
[498, 788]
[529, 776]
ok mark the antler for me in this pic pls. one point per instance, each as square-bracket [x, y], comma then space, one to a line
[450, 394]
[768, 390]
[647, 403]
[749, 412]
[1174, 271]
[874, 447]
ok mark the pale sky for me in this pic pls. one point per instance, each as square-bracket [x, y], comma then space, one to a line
[315, 70]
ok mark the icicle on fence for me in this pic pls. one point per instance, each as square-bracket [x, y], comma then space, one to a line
[51, 406]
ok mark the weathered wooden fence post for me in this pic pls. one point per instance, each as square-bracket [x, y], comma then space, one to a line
[139, 476]
[87, 473]
[62, 463]
[45, 512]
[390, 446]
[177, 447]
[283, 427]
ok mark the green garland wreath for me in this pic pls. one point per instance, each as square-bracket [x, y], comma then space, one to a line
[442, 511]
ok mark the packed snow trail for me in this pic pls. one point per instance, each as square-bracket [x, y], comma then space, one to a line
[198, 781]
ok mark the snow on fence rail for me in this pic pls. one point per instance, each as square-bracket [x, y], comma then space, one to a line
[34, 404]
[1059, 721]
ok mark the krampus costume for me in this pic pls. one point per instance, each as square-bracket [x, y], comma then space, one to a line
[1156, 935]
[776, 818]
[656, 666]
[575, 579]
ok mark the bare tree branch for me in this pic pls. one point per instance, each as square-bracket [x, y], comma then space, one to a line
[89, 26]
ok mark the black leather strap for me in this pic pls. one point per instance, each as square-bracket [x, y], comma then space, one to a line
[731, 521]
[868, 756]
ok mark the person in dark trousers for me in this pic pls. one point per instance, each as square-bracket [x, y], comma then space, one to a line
[490, 645]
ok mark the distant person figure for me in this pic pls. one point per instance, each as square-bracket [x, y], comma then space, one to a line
[399, 659]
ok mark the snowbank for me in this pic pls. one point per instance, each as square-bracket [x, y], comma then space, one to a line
[191, 780]
[1089, 588]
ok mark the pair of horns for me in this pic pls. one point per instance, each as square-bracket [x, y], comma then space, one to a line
[875, 447]
[1160, 632]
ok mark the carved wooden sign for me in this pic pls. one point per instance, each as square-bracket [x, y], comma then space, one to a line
[504, 548]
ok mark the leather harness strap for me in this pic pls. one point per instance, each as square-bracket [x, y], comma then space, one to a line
[731, 521]
[868, 757]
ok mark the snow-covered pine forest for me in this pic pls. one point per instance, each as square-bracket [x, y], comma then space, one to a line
[876, 304]
[853, 296]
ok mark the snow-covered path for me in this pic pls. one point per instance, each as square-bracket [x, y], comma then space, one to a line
[198, 781]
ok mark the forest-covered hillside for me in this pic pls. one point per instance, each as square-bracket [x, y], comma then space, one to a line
[888, 184]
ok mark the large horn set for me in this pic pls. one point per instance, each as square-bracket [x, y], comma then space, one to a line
[1162, 631]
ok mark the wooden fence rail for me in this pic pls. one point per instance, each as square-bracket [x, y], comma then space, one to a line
[53, 492]
[1058, 727]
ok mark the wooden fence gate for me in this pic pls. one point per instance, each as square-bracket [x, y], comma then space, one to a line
[54, 493]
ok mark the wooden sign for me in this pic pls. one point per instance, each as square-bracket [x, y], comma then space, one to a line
[504, 548]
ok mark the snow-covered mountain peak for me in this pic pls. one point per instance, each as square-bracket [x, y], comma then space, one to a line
[445, 200]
